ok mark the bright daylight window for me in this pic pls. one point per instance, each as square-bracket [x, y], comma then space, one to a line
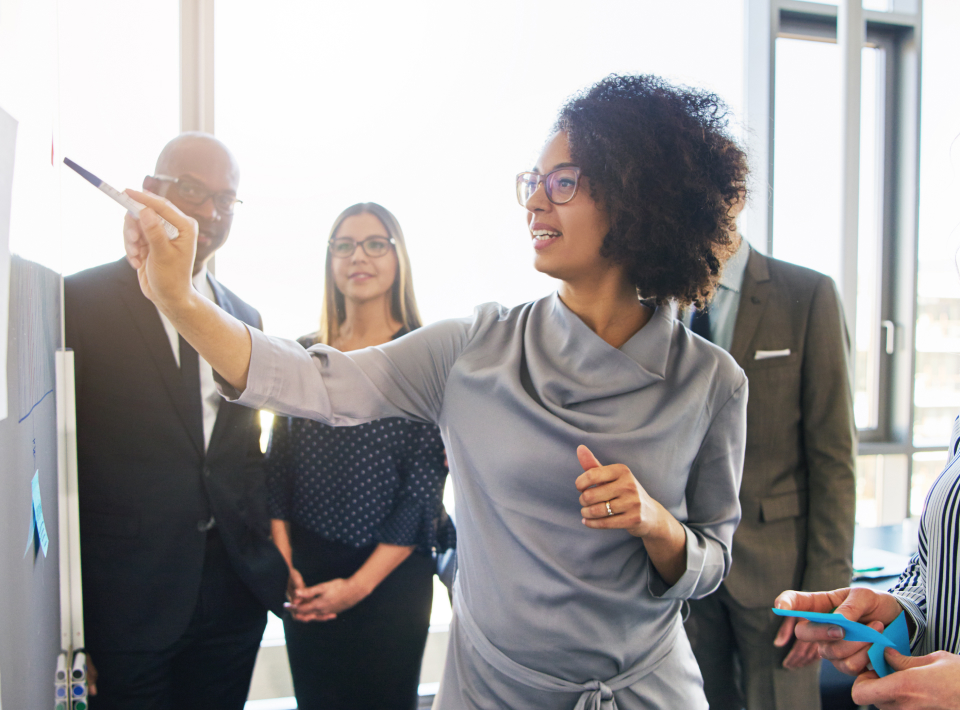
[806, 226]
[937, 394]
[115, 125]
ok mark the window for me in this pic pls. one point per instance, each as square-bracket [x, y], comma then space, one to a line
[115, 125]
[431, 112]
[936, 400]
[805, 225]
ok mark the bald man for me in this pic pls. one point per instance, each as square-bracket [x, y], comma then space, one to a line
[178, 567]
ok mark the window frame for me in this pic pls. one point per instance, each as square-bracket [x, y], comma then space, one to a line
[898, 32]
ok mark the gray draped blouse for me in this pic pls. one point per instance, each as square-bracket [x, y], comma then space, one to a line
[575, 614]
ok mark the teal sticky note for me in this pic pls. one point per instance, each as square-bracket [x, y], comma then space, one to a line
[895, 635]
[898, 633]
[38, 514]
[852, 631]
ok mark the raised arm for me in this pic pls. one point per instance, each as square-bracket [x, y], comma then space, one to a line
[164, 267]
[403, 378]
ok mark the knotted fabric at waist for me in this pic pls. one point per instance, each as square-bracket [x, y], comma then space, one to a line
[594, 694]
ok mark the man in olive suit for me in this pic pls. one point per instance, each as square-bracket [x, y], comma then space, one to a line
[784, 326]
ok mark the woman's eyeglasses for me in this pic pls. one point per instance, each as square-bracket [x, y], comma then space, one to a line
[560, 185]
[195, 193]
[343, 247]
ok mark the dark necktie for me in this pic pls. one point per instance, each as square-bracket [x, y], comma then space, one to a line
[190, 373]
[701, 324]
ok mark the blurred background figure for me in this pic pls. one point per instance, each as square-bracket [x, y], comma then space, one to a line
[784, 325]
[356, 510]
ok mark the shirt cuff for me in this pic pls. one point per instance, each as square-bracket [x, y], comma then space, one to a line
[690, 582]
[919, 621]
[263, 375]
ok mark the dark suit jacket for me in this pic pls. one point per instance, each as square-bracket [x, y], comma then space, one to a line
[145, 483]
[798, 490]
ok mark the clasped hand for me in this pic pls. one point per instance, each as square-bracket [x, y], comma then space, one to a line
[612, 497]
[321, 602]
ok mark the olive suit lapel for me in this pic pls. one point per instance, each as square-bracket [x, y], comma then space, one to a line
[754, 294]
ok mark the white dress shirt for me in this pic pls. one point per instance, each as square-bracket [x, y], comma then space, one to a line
[209, 396]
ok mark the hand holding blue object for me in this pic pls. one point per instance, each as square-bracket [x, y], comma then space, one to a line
[895, 636]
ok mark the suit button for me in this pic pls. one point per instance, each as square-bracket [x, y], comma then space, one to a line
[206, 471]
[204, 525]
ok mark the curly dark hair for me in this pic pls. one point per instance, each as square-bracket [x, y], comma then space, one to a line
[660, 161]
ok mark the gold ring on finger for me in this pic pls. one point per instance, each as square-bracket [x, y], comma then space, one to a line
[609, 509]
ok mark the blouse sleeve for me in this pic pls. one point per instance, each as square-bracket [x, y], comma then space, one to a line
[713, 503]
[403, 378]
[422, 473]
[277, 467]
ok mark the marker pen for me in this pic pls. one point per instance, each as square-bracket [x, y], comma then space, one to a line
[133, 207]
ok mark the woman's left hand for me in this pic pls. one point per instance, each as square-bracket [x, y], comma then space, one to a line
[324, 601]
[612, 497]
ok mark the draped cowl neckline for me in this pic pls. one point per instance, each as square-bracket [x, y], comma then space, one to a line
[569, 364]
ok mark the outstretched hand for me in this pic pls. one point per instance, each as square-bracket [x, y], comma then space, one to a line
[164, 266]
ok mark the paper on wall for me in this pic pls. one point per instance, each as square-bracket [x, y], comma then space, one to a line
[8, 145]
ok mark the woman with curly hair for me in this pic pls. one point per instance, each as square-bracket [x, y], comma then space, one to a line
[595, 444]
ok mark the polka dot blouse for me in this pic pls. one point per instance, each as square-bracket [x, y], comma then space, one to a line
[360, 485]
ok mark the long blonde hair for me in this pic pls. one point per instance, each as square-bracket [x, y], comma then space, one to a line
[403, 302]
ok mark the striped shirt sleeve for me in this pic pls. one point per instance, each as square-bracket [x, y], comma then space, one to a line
[929, 589]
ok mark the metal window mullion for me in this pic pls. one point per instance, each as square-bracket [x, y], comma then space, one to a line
[762, 19]
[850, 37]
[196, 65]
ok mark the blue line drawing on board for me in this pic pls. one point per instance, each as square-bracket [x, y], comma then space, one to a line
[20, 420]
[35, 333]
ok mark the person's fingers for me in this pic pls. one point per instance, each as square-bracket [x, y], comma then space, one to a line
[869, 688]
[586, 458]
[810, 601]
[847, 657]
[308, 593]
[785, 632]
[820, 633]
[601, 484]
[187, 226]
[600, 494]
[899, 662]
[605, 509]
[134, 243]
[801, 655]
[857, 604]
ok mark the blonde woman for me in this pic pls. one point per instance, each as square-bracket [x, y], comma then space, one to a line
[355, 509]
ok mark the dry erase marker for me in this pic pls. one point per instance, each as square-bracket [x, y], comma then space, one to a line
[133, 207]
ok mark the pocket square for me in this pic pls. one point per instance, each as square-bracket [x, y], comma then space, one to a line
[767, 354]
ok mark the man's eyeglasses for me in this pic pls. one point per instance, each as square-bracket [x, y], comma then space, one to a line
[560, 185]
[343, 247]
[196, 193]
